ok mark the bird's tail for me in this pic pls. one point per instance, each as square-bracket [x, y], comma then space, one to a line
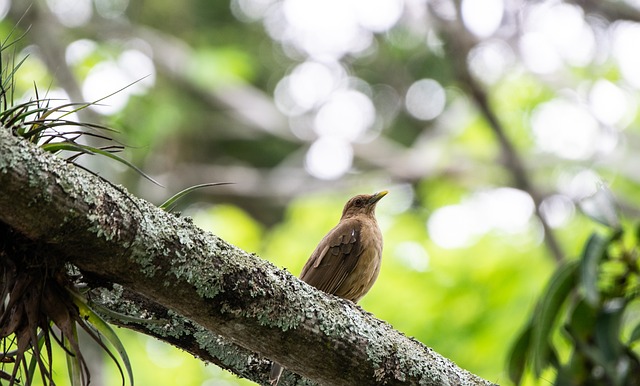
[276, 372]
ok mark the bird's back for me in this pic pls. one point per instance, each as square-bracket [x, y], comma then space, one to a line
[346, 263]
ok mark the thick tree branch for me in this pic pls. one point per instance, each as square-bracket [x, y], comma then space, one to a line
[230, 293]
[170, 327]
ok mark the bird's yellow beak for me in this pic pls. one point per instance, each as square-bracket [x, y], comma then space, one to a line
[377, 196]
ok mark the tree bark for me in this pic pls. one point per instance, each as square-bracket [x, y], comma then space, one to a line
[220, 303]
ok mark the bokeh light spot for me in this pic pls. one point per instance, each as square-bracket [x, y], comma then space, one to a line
[111, 9]
[609, 103]
[324, 29]
[482, 18]
[329, 158]
[347, 114]
[425, 99]
[505, 210]
[412, 255]
[557, 210]
[308, 86]
[538, 55]
[5, 6]
[79, 50]
[378, 15]
[625, 37]
[489, 60]
[452, 227]
[71, 13]
[556, 33]
[565, 129]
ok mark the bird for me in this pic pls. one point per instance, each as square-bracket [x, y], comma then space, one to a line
[347, 260]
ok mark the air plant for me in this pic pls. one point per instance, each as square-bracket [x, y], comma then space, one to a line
[41, 299]
[41, 304]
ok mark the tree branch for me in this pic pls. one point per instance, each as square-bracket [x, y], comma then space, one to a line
[610, 10]
[230, 293]
[459, 43]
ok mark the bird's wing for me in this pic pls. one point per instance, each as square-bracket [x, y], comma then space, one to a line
[334, 258]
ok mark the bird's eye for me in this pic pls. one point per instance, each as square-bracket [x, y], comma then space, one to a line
[359, 202]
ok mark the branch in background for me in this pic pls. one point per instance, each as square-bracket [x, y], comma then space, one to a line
[513, 162]
[44, 28]
[611, 10]
[459, 43]
[111, 235]
[251, 108]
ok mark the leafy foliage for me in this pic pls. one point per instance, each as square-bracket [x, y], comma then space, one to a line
[590, 303]
[37, 295]
[39, 300]
[171, 202]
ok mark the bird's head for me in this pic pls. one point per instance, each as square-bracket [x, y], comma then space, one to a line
[362, 204]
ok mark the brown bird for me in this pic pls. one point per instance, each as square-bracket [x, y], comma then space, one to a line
[346, 263]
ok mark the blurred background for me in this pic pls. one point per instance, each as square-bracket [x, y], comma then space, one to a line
[492, 123]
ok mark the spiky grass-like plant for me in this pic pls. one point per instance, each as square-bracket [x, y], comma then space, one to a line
[40, 302]
[39, 294]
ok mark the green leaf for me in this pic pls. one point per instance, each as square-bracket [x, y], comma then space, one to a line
[581, 322]
[8, 78]
[126, 318]
[517, 357]
[33, 361]
[574, 372]
[105, 330]
[635, 334]
[72, 146]
[122, 160]
[60, 146]
[170, 203]
[73, 360]
[81, 106]
[560, 285]
[594, 251]
[607, 331]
